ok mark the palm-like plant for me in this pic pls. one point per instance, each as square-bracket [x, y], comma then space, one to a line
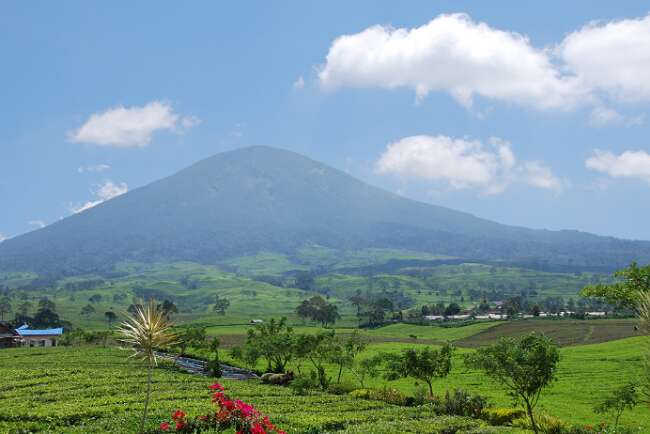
[146, 329]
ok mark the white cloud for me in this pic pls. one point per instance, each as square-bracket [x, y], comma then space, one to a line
[601, 116]
[104, 192]
[3, 237]
[601, 62]
[452, 54]
[629, 164]
[463, 164]
[38, 223]
[93, 168]
[611, 57]
[126, 127]
[299, 83]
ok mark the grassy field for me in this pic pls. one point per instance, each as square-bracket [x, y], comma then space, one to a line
[92, 390]
[589, 370]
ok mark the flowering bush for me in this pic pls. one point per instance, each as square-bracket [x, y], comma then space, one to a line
[230, 414]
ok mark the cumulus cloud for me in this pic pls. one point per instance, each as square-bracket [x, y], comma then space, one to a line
[629, 164]
[453, 54]
[611, 57]
[37, 223]
[108, 190]
[463, 164]
[126, 127]
[93, 168]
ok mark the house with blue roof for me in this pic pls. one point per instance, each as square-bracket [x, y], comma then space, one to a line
[39, 338]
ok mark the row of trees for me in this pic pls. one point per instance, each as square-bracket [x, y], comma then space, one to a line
[523, 367]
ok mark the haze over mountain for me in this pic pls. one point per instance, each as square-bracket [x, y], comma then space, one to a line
[260, 198]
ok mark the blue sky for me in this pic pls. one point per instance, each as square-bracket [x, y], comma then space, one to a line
[532, 115]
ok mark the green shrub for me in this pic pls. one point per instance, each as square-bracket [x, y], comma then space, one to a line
[461, 403]
[303, 384]
[340, 388]
[360, 393]
[502, 416]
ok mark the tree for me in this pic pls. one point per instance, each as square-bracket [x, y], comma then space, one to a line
[110, 317]
[621, 399]
[317, 309]
[249, 355]
[168, 307]
[95, 298]
[274, 340]
[343, 354]
[5, 307]
[318, 349]
[87, 310]
[424, 365]
[146, 331]
[220, 304]
[632, 282]
[452, 309]
[192, 336]
[368, 367]
[25, 307]
[45, 303]
[214, 365]
[524, 367]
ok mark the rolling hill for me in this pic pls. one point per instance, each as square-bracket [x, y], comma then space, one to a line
[265, 199]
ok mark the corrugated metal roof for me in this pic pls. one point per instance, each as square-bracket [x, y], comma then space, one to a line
[45, 332]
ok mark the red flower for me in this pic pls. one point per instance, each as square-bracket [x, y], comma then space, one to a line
[179, 425]
[216, 386]
[246, 409]
[228, 405]
[257, 429]
[178, 415]
[164, 426]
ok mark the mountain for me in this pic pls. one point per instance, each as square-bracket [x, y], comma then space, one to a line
[260, 198]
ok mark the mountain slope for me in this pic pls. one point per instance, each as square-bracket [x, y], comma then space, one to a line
[261, 198]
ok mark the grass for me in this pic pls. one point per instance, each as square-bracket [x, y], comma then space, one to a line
[93, 389]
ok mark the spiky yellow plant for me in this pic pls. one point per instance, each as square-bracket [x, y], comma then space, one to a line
[147, 329]
[643, 311]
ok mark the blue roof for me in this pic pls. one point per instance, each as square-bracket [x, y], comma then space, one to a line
[45, 332]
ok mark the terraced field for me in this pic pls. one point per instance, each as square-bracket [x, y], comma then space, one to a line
[73, 390]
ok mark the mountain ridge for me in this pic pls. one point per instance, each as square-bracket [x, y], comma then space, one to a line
[263, 198]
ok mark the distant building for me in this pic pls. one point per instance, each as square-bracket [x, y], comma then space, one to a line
[595, 314]
[434, 317]
[8, 336]
[39, 338]
[256, 321]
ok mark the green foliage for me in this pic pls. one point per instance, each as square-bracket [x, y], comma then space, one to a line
[632, 282]
[192, 336]
[524, 367]
[621, 399]
[461, 403]
[502, 416]
[319, 310]
[274, 340]
[425, 364]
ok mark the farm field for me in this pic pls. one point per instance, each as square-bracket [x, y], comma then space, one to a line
[93, 389]
[589, 368]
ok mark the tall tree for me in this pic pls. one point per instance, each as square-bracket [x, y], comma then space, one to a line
[220, 304]
[110, 318]
[631, 283]
[424, 365]
[524, 367]
[87, 310]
